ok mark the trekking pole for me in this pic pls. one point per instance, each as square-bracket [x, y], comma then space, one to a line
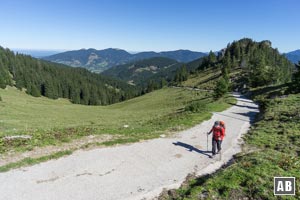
[220, 152]
[207, 142]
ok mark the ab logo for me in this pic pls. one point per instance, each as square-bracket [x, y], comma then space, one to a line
[284, 185]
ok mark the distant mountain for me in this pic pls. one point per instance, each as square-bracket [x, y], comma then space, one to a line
[36, 53]
[178, 55]
[293, 56]
[91, 59]
[100, 60]
[155, 69]
[183, 55]
[139, 72]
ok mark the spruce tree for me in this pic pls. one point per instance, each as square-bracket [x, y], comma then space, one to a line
[150, 86]
[296, 78]
[34, 91]
[181, 74]
[212, 58]
[163, 82]
[221, 88]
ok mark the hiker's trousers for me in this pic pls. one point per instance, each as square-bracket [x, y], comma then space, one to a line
[216, 144]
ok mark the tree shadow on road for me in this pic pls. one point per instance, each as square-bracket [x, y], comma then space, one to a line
[244, 106]
[191, 148]
[249, 114]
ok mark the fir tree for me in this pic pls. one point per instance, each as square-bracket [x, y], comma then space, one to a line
[296, 78]
[181, 74]
[212, 58]
[221, 88]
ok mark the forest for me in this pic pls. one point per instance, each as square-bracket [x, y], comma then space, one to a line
[257, 64]
[43, 78]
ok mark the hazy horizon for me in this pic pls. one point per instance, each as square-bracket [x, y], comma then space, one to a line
[147, 25]
[48, 52]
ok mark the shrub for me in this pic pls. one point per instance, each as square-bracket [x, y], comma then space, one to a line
[196, 106]
[221, 88]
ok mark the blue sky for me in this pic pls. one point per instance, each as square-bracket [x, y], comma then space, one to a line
[139, 25]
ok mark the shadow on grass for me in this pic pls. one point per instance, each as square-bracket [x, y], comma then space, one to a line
[192, 148]
[268, 89]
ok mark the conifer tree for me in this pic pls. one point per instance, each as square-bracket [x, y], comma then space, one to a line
[221, 88]
[212, 58]
[296, 78]
[181, 74]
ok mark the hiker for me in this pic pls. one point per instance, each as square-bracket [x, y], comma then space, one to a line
[218, 136]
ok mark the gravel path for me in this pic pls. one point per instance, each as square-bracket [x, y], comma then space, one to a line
[135, 171]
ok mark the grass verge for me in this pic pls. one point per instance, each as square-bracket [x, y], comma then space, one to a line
[33, 161]
[275, 144]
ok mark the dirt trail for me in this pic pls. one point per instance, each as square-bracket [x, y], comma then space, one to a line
[135, 171]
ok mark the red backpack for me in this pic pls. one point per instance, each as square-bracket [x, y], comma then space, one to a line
[218, 132]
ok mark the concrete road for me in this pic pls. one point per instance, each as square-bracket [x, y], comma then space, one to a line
[135, 171]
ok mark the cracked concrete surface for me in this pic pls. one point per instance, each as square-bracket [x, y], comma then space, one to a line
[135, 171]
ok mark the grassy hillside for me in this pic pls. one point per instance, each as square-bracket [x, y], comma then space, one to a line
[272, 149]
[203, 80]
[55, 121]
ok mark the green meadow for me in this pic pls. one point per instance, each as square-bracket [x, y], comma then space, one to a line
[51, 122]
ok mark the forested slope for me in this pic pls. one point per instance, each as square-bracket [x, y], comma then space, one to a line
[59, 81]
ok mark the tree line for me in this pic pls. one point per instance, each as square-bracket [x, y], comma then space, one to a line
[167, 78]
[259, 63]
[43, 78]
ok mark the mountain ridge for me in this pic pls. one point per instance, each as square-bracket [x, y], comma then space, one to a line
[139, 72]
[293, 56]
[101, 60]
